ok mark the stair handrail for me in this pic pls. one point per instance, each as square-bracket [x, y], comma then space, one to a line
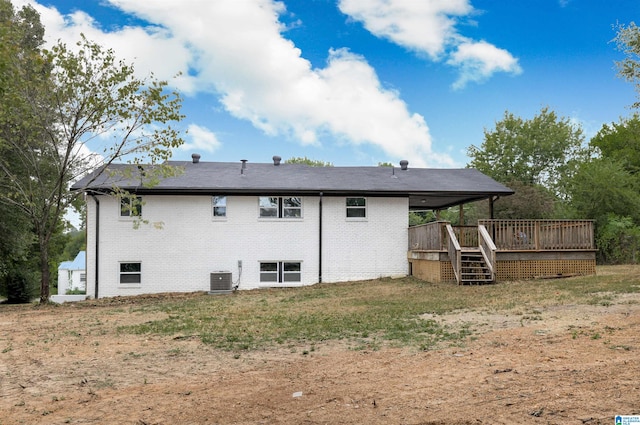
[455, 253]
[488, 249]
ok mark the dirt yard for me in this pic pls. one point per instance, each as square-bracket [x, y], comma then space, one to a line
[563, 365]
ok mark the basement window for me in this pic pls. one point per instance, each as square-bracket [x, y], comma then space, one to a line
[280, 271]
[130, 273]
[280, 207]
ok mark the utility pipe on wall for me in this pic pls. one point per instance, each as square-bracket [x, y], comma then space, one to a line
[320, 239]
[97, 241]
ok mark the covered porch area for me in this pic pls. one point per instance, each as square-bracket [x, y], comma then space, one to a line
[499, 250]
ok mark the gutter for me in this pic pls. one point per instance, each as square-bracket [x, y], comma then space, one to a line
[97, 241]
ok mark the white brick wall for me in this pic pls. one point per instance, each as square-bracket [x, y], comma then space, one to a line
[182, 243]
[63, 281]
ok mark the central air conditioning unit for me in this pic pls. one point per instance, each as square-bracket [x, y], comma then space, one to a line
[220, 283]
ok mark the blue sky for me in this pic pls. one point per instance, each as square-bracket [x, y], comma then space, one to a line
[357, 82]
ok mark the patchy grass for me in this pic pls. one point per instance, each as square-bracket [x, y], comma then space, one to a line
[366, 314]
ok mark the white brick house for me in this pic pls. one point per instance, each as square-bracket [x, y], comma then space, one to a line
[261, 225]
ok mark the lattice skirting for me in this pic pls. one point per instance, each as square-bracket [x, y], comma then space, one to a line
[530, 269]
[441, 271]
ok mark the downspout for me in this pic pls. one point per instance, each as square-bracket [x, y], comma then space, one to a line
[97, 240]
[320, 240]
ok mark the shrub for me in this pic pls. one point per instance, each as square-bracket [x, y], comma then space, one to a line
[75, 291]
[18, 286]
[618, 241]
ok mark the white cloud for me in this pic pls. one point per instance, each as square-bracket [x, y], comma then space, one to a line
[429, 27]
[200, 139]
[425, 26]
[236, 49]
[151, 49]
[478, 61]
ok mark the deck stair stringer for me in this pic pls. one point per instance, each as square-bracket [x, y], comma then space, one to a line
[473, 268]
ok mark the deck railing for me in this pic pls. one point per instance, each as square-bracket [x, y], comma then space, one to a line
[467, 236]
[433, 236]
[540, 235]
[428, 237]
[508, 235]
[488, 249]
[455, 252]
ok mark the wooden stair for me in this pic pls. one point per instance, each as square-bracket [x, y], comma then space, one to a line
[474, 268]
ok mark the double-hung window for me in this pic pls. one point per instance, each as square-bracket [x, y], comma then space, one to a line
[280, 271]
[219, 206]
[130, 273]
[356, 207]
[280, 207]
[130, 206]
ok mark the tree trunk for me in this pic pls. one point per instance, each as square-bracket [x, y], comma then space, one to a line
[44, 273]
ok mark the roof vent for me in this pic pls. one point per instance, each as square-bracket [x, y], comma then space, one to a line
[195, 157]
[244, 165]
[404, 164]
[276, 160]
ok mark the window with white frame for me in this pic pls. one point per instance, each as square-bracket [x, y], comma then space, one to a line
[280, 207]
[356, 207]
[130, 273]
[280, 271]
[268, 206]
[219, 206]
[130, 206]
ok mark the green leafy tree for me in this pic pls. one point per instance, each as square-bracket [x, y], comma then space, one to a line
[606, 187]
[620, 142]
[628, 41]
[308, 161]
[619, 240]
[21, 35]
[539, 151]
[75, 242]
[528, 202]
[421, 217]
[15, 256]
[602, 186]
[56, 108]
[602, 189]
[534, 157]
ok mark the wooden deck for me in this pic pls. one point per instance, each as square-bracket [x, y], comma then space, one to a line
[510, 250]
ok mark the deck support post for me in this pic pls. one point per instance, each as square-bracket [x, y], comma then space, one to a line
[491, 208]
[461, 223]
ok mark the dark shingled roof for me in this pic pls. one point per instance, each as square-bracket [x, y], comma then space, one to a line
[427, 188]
